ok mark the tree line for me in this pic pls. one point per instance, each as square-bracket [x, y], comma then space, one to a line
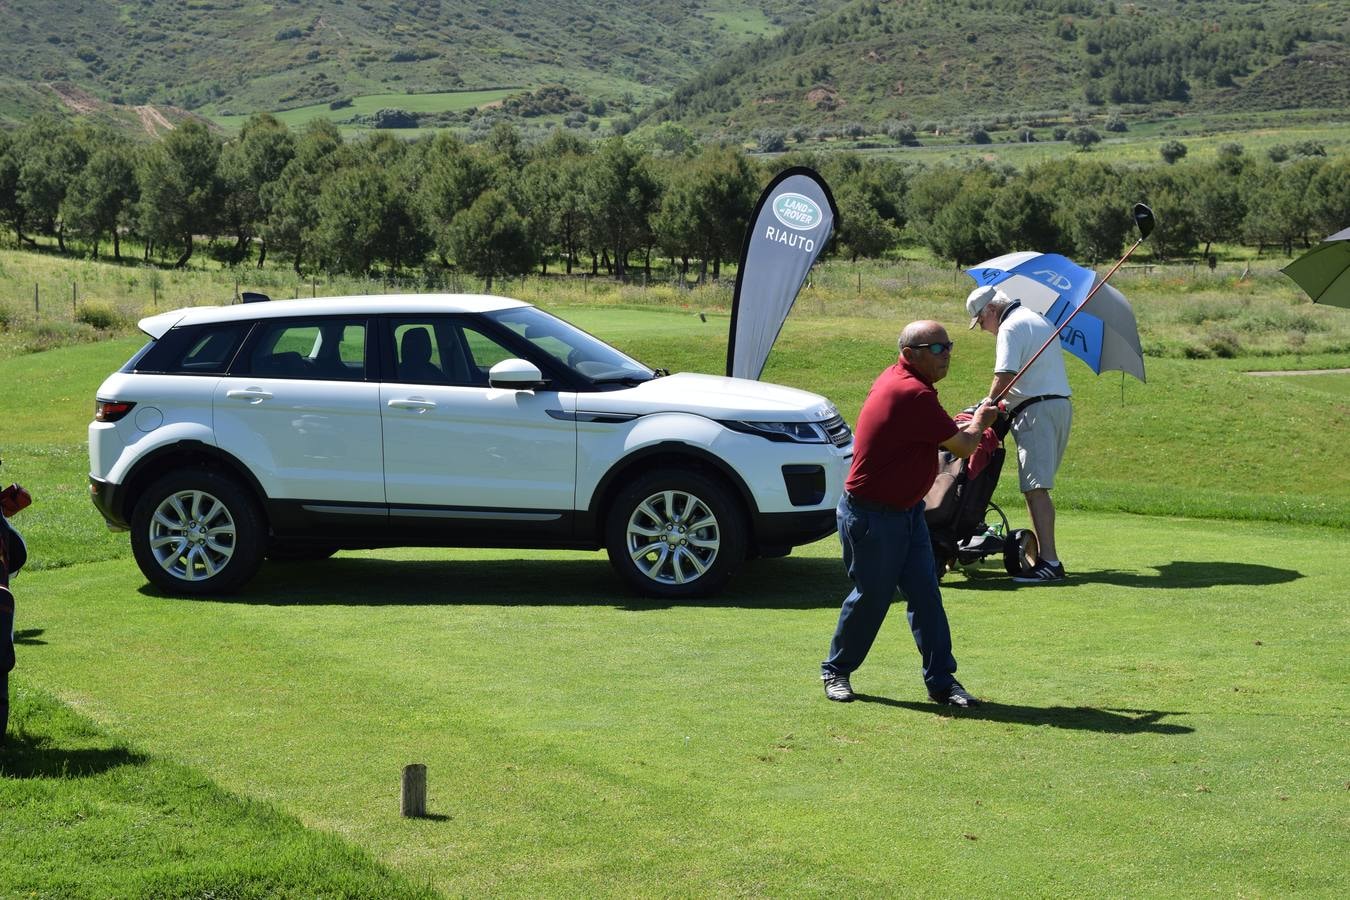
[504, 207]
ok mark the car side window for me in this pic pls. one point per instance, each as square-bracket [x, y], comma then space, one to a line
[321, 349]
[200, 350]
[444, 350]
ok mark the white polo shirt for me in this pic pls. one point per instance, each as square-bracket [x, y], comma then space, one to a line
[1021, 334]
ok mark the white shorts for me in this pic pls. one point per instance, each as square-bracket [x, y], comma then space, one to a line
[1042, 434]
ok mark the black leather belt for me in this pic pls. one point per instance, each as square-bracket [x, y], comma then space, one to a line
[1030, 400]
[872, 506]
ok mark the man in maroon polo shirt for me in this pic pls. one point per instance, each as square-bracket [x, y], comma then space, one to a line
[881, 524]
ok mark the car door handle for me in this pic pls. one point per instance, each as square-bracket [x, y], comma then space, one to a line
[253, 395]
[416, 403]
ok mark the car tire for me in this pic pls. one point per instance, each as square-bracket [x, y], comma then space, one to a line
[196, 532]
[675, 533]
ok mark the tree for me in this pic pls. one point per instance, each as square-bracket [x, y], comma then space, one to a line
[11, 210]
[1097, 225]
[102, 198]
[1083, 138]
[621, 197]
[364, 216]
[1219, 205]
[1172, 151]
[955, 232]
[1020, 218]
[292, 200]
[861, 229]
[181, 188]
[490, 239]
[454, 176]
[50, 156]
[249, 166]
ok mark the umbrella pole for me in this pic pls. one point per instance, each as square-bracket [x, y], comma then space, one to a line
[1143, 216]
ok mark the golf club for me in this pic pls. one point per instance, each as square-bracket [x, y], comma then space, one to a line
[1143, 218]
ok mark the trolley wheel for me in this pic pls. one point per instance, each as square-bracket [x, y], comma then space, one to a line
[1020, 551]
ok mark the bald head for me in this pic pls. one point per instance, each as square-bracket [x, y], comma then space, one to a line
[924, 331]
[916, 343]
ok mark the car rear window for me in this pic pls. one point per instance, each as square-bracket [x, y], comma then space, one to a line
[194, 350]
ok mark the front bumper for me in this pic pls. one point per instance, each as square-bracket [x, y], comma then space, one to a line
[792, 529]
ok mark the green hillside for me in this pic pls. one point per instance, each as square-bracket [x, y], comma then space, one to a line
[218, 56]
[938, 63]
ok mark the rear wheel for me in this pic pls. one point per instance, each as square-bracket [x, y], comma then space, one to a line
[675, 533]
[196, 532]
[1020, 551]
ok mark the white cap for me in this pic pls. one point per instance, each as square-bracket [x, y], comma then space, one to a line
[979, 298]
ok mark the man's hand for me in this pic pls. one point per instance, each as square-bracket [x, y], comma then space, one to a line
[985, 414]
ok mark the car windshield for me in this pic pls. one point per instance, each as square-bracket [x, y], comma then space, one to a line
[588, 356]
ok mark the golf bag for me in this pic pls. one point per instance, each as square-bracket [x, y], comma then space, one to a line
[959, 507]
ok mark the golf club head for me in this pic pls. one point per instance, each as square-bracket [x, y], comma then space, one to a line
[1143, 217]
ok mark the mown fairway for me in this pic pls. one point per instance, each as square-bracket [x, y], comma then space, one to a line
[1169, 722]
[1172, 722]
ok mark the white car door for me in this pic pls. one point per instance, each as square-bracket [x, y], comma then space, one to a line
[301, 416]
[456, 448]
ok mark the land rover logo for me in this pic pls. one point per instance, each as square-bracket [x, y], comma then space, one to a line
[796, 211]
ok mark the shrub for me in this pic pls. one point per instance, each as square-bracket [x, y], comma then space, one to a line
[49, 335]
[99, 314]
[7, 317]
[1224, 343]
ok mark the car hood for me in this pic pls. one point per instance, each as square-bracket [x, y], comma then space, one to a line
[713, 396]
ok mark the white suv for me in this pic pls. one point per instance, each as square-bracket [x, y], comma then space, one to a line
[292, 429]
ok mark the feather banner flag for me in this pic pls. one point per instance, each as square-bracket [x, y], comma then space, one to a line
[791, 225]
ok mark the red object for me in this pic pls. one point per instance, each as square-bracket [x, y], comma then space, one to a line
[13, 499]
[896, 441]
[988, 444]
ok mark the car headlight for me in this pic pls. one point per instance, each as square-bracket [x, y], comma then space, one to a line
[783, 432]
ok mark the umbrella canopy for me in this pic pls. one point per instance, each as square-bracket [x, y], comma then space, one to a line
[1324, 271]
[1105, 335]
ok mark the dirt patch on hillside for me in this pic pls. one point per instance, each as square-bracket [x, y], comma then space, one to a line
[75, 99]
[153, 121]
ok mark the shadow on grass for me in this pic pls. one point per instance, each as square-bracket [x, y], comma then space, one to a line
[25, 756]
[1078, 718]
[760, 584]
[1177, 574]
[29, 637]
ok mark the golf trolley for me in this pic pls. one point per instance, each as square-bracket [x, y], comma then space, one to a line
[965, 525]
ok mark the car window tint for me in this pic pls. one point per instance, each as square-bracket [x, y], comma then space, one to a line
[195, 350]
[322, 349]
[484, 352]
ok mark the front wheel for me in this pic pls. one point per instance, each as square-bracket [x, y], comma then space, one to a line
[197, 532]
[676, 533]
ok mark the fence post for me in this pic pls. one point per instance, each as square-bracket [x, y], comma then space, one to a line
[74, 301]
[412, 801]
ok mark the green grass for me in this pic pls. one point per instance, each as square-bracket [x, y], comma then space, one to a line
[1170, 720]
[88, 815]
[444, 101]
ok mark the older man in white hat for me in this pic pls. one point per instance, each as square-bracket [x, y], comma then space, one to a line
[1039, 407]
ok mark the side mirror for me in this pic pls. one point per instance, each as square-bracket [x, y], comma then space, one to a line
[515, 375]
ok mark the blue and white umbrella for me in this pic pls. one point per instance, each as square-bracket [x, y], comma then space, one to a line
[1105, 335]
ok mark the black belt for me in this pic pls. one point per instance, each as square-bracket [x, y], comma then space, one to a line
[1012, 414]
[872, 506]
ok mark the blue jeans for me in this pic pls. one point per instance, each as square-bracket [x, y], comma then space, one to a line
[6, 647]
[886, 551]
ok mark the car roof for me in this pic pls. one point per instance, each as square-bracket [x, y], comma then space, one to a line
[157, 325]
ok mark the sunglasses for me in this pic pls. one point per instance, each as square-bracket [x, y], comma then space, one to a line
[937, 348]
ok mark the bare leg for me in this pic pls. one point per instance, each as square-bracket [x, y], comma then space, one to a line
[1042, 510]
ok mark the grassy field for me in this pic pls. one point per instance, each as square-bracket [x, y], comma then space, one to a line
[369, 104]
[1171, 720]
[1154, 728]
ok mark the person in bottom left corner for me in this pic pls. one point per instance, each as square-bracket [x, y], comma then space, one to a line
[13, 554]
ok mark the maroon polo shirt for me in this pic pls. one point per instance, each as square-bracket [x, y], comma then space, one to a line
[896, 442]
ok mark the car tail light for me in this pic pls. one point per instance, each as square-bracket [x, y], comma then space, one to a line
[111, 410]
